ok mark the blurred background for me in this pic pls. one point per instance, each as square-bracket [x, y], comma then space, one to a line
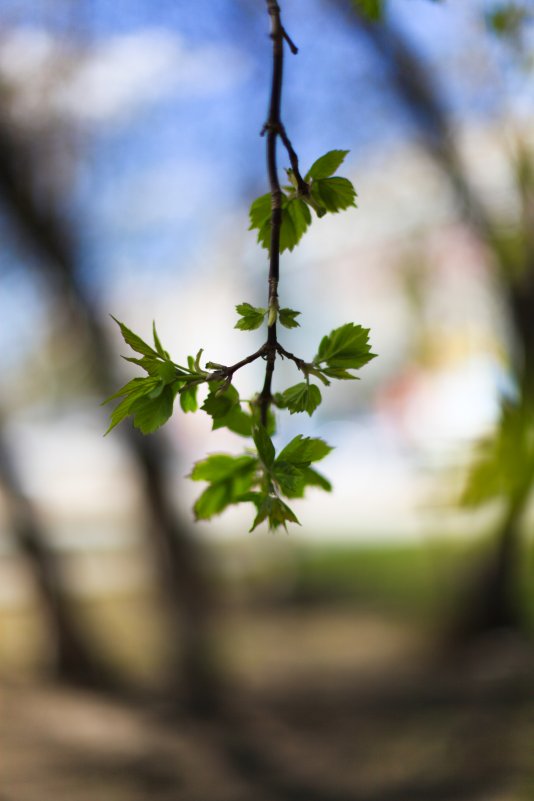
[382, 650]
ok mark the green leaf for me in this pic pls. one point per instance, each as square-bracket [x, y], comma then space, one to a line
[153, 366]
[296, 218]
[326, 165]
[151, 413]
[223, 405]
[136, 387]
[308, 477]
[264, 445]
[219, 466]
[345, 348]
[231, 477]
[300, 216]
[159, 347]
[289, 479]
[135, 341]
[251, 317]
[166, 371]
[276, 512]
[235, 420]
[504, 461]
[301, 451]
[188, 398]
[302, 397]
[334, 194]
[120, 412]
[134, 390]
[156, 392]
[260, 211]
[220, 399]
[213, 500]
[287, 318]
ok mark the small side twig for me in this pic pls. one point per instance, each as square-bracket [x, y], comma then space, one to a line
[228, 372]
[301, 364]
[292, 46]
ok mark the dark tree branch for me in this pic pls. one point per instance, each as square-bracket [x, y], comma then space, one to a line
[274, 129]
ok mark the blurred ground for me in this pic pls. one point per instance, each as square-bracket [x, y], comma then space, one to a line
[327, 702]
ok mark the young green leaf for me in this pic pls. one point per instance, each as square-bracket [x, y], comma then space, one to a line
[326, 165]
[235, 420]
[135, 387]
[300, 216]
[302, 451]
[220, 399]
[213, 500]
[264, 445]
[149, 413]
[120, 412]
[334, 194]
[166, 371]
[276, 512]
[345, 348]
[260, 211]
[231, 477]
[303, 397]
[188, 398]
[251, 317]
[219, 466]
[308, 477]
[135, 341]
[293, 480]
[134, 390]
[289, 479]
[287, 318]
[296, 218]
[157, 344]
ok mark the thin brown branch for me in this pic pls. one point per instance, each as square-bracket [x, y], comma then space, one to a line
[274, 128]
[292, 46]
[303, 187]
[301, 364]
[227, 372]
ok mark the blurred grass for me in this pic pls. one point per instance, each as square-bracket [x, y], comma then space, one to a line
[271, 594]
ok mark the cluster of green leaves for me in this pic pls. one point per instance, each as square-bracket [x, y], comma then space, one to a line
[261, 478]
[149, 400]
[326, 193]
[504, 461]
[252, 317]
[344, 349]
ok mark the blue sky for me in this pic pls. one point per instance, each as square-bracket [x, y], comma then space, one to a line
[153, 184]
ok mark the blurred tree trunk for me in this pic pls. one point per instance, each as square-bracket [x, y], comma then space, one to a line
[40, 218]
[492, 599]
[75, 660]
